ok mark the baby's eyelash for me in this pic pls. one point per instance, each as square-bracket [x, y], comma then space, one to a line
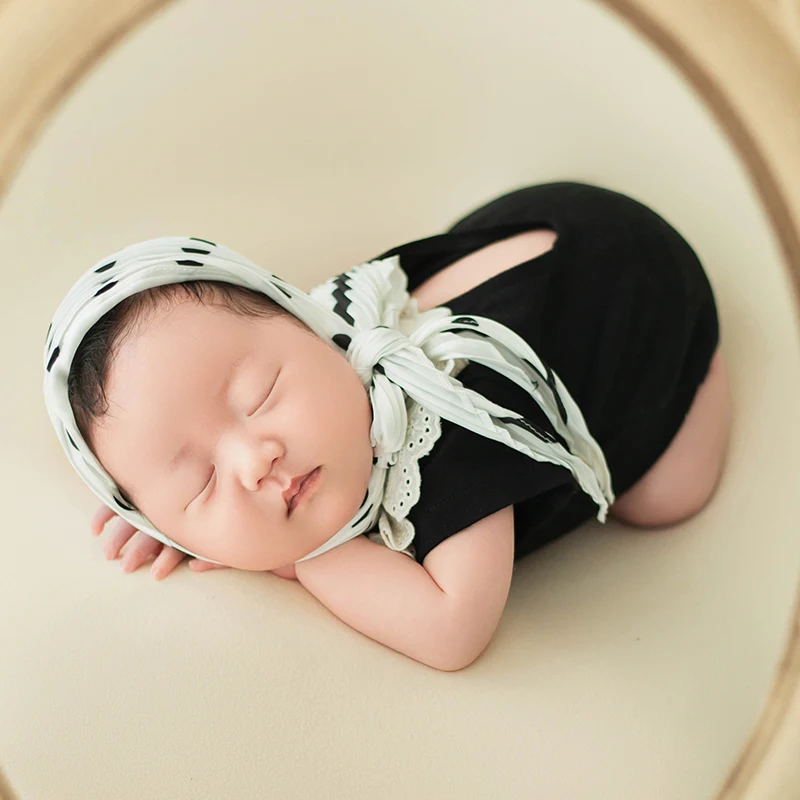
[208, 483]
[268, 395]
[260, 405]
[201, 492]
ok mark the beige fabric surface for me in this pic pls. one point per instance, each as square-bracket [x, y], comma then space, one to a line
[627, 663]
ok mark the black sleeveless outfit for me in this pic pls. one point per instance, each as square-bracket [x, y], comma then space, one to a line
[620, 309]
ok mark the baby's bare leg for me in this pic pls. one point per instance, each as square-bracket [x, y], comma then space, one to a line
[684, 478]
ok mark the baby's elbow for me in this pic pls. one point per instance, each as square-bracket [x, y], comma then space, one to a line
[457, 663]
[469, 632]
[459, 656]
[454, 665]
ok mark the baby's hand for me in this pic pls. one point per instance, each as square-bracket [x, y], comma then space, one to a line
[141, 548]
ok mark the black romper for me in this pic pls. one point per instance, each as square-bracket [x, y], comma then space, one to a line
[620, 309]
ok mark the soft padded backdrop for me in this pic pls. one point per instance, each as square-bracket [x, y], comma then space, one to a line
[310, 136]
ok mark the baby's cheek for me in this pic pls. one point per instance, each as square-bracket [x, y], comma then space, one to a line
[340, 508]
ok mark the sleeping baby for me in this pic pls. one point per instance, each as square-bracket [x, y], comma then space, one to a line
[396, 438]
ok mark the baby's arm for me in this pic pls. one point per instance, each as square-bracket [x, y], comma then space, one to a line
[442, 612]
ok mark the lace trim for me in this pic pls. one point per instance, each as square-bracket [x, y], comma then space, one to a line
[403, 481]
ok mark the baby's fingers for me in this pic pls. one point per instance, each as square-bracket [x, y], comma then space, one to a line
[141, 548]
[99, 520]
[165, 562]
[120, 535]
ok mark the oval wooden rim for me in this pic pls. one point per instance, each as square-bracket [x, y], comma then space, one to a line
[728, 50]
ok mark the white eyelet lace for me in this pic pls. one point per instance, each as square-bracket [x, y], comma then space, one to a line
[404, 482]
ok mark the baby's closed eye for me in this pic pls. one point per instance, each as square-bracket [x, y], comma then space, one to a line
[208, 482]
[266, 397]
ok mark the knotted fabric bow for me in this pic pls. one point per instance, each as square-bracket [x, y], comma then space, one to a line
[396, 351]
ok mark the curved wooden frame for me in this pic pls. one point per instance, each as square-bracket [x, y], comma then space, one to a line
[727, 49]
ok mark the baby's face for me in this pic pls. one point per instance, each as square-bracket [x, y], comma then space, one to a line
[247, 405]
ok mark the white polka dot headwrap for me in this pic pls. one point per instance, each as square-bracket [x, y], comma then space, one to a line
[368, 314]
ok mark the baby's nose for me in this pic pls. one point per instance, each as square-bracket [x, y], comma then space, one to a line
[252, 471]
[252, 460]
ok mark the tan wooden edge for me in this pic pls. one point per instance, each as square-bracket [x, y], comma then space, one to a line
[728, 50]
[5, 789]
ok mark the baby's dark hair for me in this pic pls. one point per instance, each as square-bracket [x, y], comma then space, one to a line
[90, 368]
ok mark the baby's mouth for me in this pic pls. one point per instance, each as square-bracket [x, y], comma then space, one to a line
[300, 488]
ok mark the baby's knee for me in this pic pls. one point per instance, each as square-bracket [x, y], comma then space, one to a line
[676, 489]
[654, 504]
[685, 478]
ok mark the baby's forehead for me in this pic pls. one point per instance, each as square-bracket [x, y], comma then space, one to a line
[187, 329]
